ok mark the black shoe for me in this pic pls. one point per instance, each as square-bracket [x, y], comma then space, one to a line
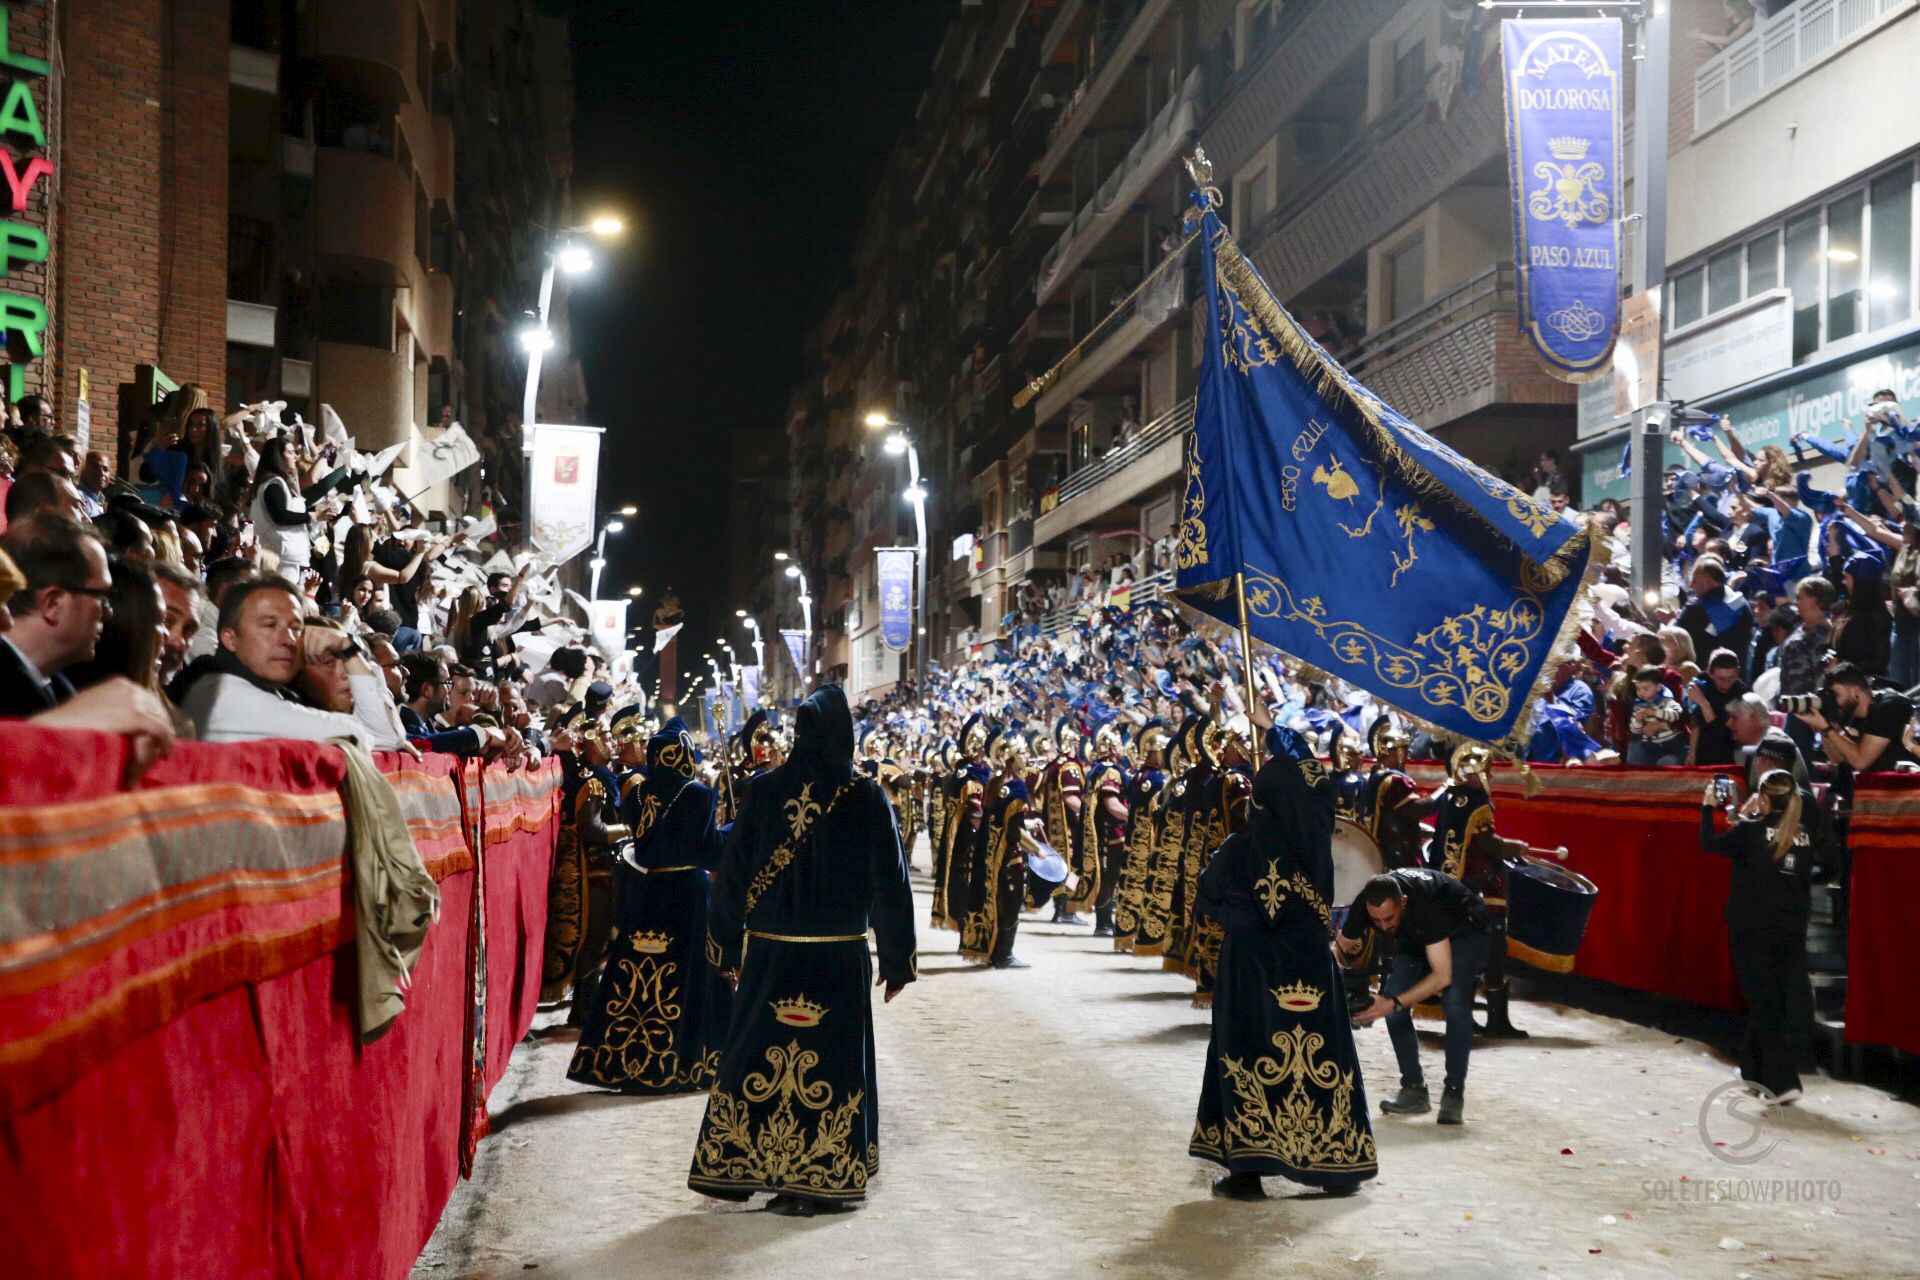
[1011, 962]
[1103, 921]
[1103, 931]
[1412, 1100]
[1498, 1026]
[1452, 1102]
[791, 1207]
[1239, 1186]
[1071, 917]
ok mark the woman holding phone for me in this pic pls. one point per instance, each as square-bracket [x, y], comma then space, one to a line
[1767, 907]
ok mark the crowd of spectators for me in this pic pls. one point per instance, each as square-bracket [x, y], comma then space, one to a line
[256, 577]
[1786, 627]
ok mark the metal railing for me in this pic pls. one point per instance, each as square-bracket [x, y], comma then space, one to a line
[1495, 287]
[1148, 589]
[1150, 437]
[1776, 49]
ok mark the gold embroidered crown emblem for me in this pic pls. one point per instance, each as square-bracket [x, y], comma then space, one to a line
[1568, 148]
[798, 1011]
[650, 944]
[1298, 998]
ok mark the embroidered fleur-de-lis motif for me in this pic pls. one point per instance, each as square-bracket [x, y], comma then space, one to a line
[1273, 889]
[801, 810]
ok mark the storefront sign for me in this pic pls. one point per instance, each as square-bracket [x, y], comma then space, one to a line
[1563, 148]
[23, 317]
[1827, 401]
[1738, 346]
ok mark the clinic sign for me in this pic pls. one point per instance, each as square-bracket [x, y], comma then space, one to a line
[23, 166]
[1824, 403]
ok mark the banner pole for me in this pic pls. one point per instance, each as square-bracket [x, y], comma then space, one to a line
[1246, 665]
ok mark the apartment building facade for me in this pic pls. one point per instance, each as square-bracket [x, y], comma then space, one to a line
[1790, 293]
[337, 203]
[1360, 149]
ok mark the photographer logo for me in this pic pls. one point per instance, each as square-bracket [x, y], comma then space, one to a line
[1733, 1123]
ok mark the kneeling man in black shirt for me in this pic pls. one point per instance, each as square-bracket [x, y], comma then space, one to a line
[1441, 937]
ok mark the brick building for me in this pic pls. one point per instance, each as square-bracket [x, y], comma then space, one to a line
[338, 202]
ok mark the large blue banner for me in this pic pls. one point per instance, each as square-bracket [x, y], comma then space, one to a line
[1364, 546]
[1563, 158]
[896, 596]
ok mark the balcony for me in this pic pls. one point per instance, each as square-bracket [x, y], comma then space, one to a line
[368, 47]
[1117, 336]
[1402, 164]
[1304, 51]
[365, 213]
[1152, 457]
[1458, 354]
[1114, 58]
[1777, 49]
[1164, 139]
[371, 388]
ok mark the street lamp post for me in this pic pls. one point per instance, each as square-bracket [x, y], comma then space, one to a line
[806, 618]
[574, 259]
[901, 443]
[759, 648]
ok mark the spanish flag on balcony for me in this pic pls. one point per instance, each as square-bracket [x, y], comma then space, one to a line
[1363, 545]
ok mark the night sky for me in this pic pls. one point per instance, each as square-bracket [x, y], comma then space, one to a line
[743, 139]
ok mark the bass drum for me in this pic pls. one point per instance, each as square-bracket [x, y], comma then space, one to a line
[1356, 860]
[1547, 910]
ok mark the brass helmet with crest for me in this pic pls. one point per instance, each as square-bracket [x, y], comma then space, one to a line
[1386, 737]
[1109, 739]
[1469, 760]
[1346, 752]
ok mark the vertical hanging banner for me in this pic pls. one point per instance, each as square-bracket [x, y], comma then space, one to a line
[1563, 160]
[896, 596]
[608, 619]
[750, 687]
[563, 480]
[797, 650]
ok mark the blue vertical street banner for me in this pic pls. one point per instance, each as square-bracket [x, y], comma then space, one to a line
[1359, 543]
[797, 650]
[750, 686]
[1563, 160]
[896, 596]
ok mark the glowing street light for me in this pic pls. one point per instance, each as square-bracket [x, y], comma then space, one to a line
[634, 592]
[536, 339]
[629, 511]
[608, 226]
[575, 259]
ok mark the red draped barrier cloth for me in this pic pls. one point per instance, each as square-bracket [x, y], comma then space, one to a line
[1884, 843]
[181, 1088]
[1657, 925]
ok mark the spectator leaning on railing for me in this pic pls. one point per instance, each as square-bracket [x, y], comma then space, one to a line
[243, 692]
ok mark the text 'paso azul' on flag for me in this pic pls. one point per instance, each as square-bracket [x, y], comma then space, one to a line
[1563, 160]
[1369, 548]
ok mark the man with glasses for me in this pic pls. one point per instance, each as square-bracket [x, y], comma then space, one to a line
[429, 691]
[56, 619]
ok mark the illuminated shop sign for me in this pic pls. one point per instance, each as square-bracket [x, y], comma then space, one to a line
[23, 164]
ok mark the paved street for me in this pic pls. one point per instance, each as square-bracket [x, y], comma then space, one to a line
[1035, 1124]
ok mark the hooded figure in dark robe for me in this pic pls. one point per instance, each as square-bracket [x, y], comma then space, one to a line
[1282, 1093]
[812, 862]
[661, 1009]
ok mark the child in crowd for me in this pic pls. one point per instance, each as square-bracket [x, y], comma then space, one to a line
[1654, 722]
